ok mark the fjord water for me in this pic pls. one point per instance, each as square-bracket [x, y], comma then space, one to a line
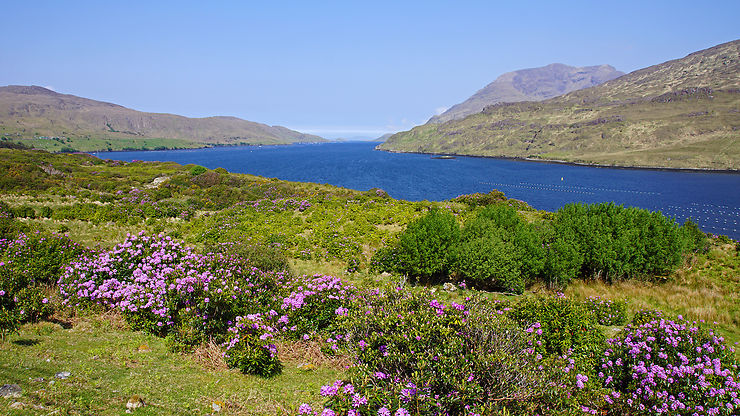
[712, 200]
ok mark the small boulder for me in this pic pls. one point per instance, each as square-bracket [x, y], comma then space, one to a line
[144, 348]
[62, 375]
[217, 406]
[10, 391]
[17, 405]
[134, 403]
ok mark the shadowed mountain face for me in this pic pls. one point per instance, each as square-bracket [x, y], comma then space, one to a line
[683, 113]
[534, 84]
[29, 111]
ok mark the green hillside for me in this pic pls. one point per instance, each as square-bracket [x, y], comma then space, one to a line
[683, 113]
[48, 120]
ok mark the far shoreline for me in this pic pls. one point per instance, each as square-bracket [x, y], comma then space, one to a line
[565, 162]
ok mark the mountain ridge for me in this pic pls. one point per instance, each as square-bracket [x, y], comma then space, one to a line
[683, 113]
[530, 84]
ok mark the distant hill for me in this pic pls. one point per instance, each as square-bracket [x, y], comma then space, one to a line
[533, 84]
[683, 113]
[28, 112]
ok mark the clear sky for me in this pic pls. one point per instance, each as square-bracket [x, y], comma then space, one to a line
[344, 68]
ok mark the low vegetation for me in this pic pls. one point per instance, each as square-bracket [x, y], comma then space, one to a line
[257, 296]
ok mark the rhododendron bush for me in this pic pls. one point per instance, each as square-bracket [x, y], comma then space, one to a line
[167, 289]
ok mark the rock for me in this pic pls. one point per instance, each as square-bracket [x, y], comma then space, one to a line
[134, 403]
[10, 390]
[144, 348]
[306, 366]
[449, 287]
[62, 375]
[39, 380]
[17, 405]
[217, 406]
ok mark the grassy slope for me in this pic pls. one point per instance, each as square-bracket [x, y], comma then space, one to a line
[33, 112]
[652, 117]
[102, 354]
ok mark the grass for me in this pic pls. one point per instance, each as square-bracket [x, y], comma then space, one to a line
[94, 144]
[109, 364]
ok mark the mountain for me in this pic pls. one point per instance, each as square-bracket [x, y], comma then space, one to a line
[31, 111]
[683, 113]
[533, 84]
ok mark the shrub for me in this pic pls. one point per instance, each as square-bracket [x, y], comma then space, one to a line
[197, 170]
[670, 367]
[424, 246]
[422, 356]
[261, 256]
[644, 316]
[385, 260]
[499, 250]
[28, 265]
[160, 286]
[247, 352]
[606, 311]
[564, 325]
[481, 199]
[618, 242]
[489, 263]
[694, 239]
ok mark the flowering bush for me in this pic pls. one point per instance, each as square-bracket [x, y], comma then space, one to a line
[416, 355]
[670, 367]
[563, 325]
[248, 349]
[28, 264]
[160, 285]
[606, 311]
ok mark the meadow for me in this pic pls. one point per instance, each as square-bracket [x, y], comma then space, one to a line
[194, 291]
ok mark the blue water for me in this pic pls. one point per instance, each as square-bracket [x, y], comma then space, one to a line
[710, 199]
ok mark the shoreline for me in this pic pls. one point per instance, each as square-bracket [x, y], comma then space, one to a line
[565, 162]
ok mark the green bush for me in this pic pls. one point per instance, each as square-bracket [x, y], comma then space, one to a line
[499, 250]
[198, 170]
[695, 240]
[617, 242]
[489, 263]
[424, 247]
[385, 260]
[564, 325]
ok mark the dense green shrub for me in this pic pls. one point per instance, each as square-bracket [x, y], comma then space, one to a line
[197, 170]
[618, 242]
[563, 324]
[489, 263]
[499, 250]
[695, 240]
[424, 247]
[9, 226]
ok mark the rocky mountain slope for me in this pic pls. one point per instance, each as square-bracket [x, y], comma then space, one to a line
[533, 84]
[683, 113]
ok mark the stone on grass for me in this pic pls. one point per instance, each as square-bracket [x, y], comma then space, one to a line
[10, 390]
[63, 374]
[134, 403]
[17, 405]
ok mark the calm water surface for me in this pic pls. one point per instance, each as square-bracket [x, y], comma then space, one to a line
[710, 199]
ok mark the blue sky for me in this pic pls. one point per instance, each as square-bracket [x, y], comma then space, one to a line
[340, 68]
